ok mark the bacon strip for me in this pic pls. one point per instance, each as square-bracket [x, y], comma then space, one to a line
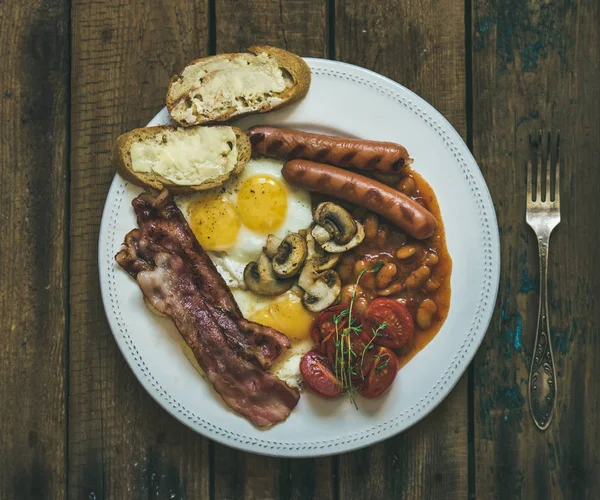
[168, 282]
[163, 222]
[160, 219]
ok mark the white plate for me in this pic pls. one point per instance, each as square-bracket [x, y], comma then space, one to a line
[351, 101]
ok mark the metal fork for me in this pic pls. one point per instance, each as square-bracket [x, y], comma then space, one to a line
[543, 215]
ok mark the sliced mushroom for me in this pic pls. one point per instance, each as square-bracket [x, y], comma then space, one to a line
[320, 259]
[337, 222]
[321, 289]
[272, 245]
[320, 234]
[290, 256]
[260, 278]
[329, 245]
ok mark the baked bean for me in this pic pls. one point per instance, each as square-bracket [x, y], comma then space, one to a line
[418, 277]
[359, 265]
[346, 268]
[392, 289]
[407, 185]
[385, 275]
[388, 179]
[360, 304]
[367, 280]
[345, 272]
[381, 236]
[430, 259]
[425, 314]
[346, 294]
[407, 251]
[432, 285]
[371, 224]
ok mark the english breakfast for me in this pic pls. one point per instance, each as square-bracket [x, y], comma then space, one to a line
[285, 259]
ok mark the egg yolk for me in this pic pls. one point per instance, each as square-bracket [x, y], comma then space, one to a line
[287, 315]
[262, 203]
[215, 223]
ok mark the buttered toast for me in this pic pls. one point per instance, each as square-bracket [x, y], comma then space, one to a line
[181, 159]
[226, 86]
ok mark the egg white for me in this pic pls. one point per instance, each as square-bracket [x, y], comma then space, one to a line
[249, 243]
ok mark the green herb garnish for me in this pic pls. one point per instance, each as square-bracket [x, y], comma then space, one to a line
[344, 353]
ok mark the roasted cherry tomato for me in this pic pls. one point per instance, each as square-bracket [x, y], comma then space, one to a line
[363, 362]
[323, 327]
[323, 330]
[318, 374]
[399, 325]
[381, 375]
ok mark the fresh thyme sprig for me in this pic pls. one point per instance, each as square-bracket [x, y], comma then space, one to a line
[369, 345]
[344, 353]
[383, 364]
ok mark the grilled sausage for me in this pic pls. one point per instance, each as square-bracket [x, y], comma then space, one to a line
[398, 208]
[287, 144]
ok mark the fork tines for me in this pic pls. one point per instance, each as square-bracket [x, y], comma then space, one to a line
[540, 188]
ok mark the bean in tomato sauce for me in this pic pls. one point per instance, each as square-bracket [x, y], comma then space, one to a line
[416, 273]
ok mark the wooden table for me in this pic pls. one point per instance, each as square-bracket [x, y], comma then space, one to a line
[74, 422]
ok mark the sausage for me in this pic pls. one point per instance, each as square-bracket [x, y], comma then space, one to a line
[396, 207]
[287, 144]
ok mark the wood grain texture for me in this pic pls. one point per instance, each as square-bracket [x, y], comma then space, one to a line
[296, 25]
[421, 45]
[121, 444]
[299, 26]
[34, 93]
[535, 65]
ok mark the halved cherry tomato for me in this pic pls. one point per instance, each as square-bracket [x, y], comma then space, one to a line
[399, 325]
[323, 327]
[362, 356]
[318, 374]
[323, 330]
[381, 375]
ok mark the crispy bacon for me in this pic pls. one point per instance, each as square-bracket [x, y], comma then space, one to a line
[160, 219]
[163, 222]
[169, 283]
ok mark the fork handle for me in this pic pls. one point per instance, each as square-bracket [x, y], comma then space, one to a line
[542, 377]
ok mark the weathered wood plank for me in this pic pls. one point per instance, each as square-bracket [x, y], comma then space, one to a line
[301, 27]
[34, 94]
[122, 445]
[535, 65]
[296, 25]
[421, 45]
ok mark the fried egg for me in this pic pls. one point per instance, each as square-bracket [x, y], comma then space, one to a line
[286, 314]
[232, 222]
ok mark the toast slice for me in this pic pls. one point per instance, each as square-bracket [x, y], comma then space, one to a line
[181, 159]
[226, 86]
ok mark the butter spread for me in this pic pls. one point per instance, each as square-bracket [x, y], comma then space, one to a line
[187, 159]
[243, 83]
